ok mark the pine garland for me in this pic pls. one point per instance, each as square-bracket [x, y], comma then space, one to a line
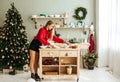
[77, 11]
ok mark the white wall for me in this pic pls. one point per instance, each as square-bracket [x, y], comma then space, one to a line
[30, 7]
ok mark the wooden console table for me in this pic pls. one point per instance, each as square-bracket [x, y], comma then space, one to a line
[54, 63]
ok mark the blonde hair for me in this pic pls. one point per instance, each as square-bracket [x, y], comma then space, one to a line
[49, 23]
[51, 31]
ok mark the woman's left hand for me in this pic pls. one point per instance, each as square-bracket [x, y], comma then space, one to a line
[68, 43]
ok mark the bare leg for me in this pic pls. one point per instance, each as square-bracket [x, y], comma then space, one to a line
[32, 61]
[34, 58]
[36, 62]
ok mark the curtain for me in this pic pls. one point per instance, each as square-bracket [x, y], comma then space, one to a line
[114, 37]
[109, 35]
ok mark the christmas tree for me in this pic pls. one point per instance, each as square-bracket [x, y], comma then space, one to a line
[1, 32]
[13, 42]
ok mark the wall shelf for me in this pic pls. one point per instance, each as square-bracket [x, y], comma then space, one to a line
[36, 18]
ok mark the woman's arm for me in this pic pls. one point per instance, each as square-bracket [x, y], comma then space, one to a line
[42, 36]
[57, 39]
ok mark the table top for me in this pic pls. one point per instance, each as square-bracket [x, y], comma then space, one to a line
[72, 47]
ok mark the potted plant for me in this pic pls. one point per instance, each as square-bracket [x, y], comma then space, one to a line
[90, 59]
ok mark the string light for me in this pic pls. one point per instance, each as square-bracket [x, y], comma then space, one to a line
[3, 57]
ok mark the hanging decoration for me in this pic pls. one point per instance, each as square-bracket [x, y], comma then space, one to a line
[91, 47]
[79, 10]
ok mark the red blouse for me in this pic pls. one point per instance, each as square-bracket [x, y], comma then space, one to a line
[43, 36]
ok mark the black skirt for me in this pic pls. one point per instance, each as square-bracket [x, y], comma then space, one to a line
[35, 45]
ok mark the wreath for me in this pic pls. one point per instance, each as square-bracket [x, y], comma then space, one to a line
[77, 11]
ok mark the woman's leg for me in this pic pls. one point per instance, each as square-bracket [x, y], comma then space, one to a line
[32, 61]
[36, 66]
[34, 58]
[36, 62]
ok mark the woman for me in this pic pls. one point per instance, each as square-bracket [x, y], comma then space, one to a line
[41, 38]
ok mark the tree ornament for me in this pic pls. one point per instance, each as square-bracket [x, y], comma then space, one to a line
[12, 24]
[18, 38]
[14, 34]
[21, 30]
[3, 57]
[18, 27]
[27, 61]
[8, 56]
[81, 10]
[6, 38]
[26, 50]
[10, 67]
[22, 49]
[6, 49]
[11, 50]
[3, 37]
[1, 50]
[28, 42]
[17, 57]
[14, 44]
